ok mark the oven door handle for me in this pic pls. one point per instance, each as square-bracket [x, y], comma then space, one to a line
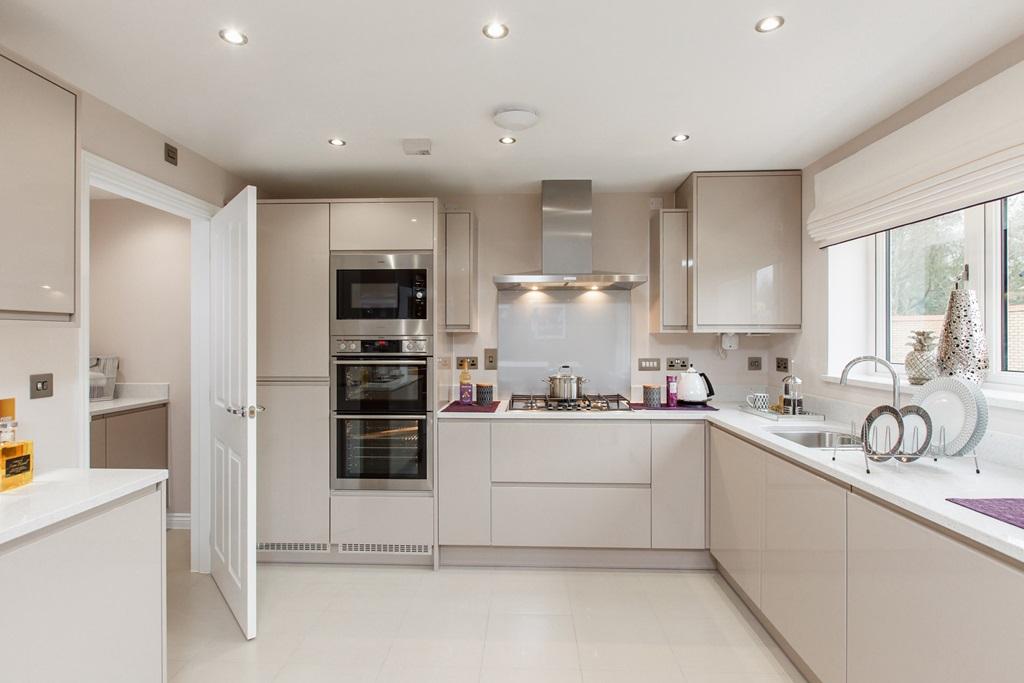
[380, 417]
[380, 362]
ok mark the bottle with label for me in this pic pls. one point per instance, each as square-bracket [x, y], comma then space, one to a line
[465, 385]
[672, 390]
[16, 459]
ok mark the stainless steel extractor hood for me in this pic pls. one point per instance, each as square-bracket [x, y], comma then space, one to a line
[567, 254]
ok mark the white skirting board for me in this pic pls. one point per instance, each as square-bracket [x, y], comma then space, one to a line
[587, 558]
[179, 520]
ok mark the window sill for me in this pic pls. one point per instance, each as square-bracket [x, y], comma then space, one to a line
[998, 395]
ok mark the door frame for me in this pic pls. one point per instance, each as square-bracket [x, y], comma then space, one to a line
[107, 175]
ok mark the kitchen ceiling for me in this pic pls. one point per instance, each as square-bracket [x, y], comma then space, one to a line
[612, 83]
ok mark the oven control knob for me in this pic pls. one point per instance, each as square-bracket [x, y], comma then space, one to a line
[419, 295]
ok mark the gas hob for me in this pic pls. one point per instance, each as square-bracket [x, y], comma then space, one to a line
[589, 402]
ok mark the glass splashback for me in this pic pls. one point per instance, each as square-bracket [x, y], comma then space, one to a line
[539, 331]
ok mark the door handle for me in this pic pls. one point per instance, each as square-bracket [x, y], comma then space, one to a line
[235, 411]
[254, 410]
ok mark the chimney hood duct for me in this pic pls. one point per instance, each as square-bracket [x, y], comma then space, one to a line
[567, 252]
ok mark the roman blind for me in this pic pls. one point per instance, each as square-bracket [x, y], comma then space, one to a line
[968, 151]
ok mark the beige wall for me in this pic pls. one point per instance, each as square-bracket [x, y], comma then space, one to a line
[139, 302]
[55, 424]
[810, 347]
[510, 242]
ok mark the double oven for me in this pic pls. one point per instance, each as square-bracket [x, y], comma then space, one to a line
[382, 380]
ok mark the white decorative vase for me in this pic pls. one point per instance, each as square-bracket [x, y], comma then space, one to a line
[963, 349]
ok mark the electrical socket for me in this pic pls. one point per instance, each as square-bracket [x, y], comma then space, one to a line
[753, 363]
[490, 359]
[676, 363]
[651, 364]
[781, 365]
[470, 361]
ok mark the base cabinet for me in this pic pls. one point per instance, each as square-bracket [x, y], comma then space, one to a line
[924, 607]
[379, 522]
[135, 439]
[293, 473]
[803, 592]
[736, 485]
[677, 486]
[464, 482]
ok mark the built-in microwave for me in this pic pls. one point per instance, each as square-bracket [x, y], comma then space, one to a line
[381, 294]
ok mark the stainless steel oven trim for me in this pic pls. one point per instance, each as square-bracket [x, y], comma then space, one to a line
[382, 261]
[383, 484]
[419, 362]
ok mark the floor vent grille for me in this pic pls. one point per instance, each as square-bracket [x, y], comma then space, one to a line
[295, 547]
[383, 548]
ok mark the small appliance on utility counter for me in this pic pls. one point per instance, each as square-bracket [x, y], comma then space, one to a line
[694, 387]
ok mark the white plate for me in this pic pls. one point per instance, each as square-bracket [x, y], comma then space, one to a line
[952, 404]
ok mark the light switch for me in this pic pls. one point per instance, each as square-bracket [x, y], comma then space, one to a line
[490, 359]
[647, 364]
[40, 386]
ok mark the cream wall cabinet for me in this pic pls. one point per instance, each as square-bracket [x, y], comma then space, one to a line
[460, 272]
[669, 271]
[38, 190]
[736, 486]
[293, 477]
[464, 482]
[391, 225]
[293, 283]
[803, 593]
[571, 452]
[677, 485]
[924, 607]
[134, 439]
[745, 236]
[385, 519]
[571, 517]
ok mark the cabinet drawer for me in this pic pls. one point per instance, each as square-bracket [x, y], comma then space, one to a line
[570, 452]
[382, 226]
[394, 519]
[571, 517]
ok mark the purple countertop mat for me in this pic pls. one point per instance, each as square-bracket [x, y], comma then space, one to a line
[456, 407]
[665, 406]
[1009, 510]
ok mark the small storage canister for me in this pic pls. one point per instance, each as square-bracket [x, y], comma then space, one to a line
[652, 396]
[484, 394]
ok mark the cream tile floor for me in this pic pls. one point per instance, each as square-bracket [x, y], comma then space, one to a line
[373, 624]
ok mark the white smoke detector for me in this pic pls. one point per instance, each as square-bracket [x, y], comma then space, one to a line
[515, 118]
[416, 147]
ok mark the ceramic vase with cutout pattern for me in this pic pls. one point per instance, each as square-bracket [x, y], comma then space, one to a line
[963, 349]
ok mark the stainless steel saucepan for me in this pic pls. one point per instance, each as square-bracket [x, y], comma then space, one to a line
[565, 385]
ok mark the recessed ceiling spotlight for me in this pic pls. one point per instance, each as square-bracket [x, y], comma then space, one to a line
[769, 24]
[233, 36]
[534, 288]
[682, 137]
[507, 140]
[594, 288]
[495, 30]
[336, 142]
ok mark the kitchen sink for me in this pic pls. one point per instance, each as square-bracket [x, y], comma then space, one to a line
[821, 439]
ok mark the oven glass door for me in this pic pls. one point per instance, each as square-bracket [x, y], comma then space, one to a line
[381, 294]
[382, 452]
[380, 386]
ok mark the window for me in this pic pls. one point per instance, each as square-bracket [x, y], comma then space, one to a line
[917, 265]
[1013, 283]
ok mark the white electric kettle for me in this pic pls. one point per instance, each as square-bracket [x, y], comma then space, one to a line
[694, 387]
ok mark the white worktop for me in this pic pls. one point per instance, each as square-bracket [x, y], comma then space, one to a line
[132, 397]
[921, 488]
[58, 495]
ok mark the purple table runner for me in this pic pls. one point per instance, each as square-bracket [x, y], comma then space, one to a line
[1009, 510]
[456, 407]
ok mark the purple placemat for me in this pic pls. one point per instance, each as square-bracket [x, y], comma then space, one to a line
[456, 407]
[681, 406]
[1009, 510]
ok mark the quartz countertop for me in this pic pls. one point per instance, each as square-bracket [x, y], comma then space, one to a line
[132, 397]
[919, 488]
[57, 495]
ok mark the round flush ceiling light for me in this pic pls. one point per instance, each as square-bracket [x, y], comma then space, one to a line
[495, 30]
[233, 36]
[681, 137]
[769, 24]
[336, 142]
[515, 118]
[507, 140]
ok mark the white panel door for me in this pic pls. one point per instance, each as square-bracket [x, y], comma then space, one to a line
[232, 427]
